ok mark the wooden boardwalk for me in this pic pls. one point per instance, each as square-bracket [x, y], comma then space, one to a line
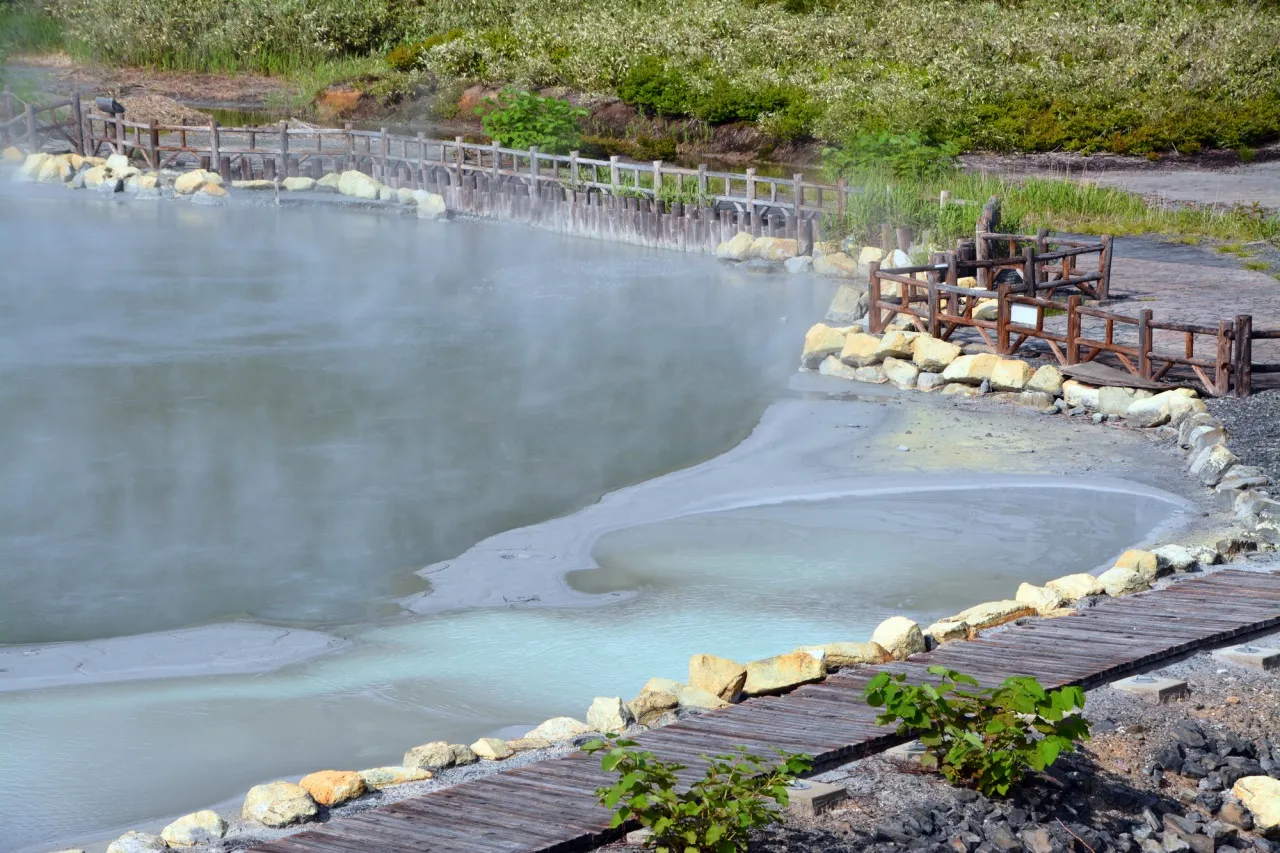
[551, 806]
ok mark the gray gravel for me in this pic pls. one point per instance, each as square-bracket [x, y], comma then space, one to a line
[1253, 427]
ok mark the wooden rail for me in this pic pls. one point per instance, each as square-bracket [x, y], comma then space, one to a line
[551, 805]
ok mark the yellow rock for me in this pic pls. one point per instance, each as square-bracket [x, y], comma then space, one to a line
[1047, 379]
[1011, 374]
[837, 264]
[718, 676]
[1143, 562]
[278, 804]
[993, 613]
[652, 704]
[186, 183]
[55, 170]
[331, 787]
[987, 309]
[1075, 587]
[849, 654]
[971, 369]
[143, 182]
[253, 185]
[860, 349]
[1079, 394]
[524, 744]
[821, 341]
[869, 254]
[899, 636]
[93, 177]
[933, 355]
[946, 631]
[897, 344]
[1121, 581]
[774, 248]
[738, 248]
[781, 673]
[377, 778]
[1043, 598]
[13, 155]
[492, 749]
[202, 827]
[1261, 796]
[213, 189]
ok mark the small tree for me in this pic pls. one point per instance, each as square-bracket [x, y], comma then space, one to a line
[519, 119]
[718, 811]
[988, 738]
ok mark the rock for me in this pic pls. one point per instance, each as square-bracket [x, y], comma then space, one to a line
[780, 673]
[820, 343]
[1010, 374]
[838, 655]
[774, 248]
[833, 366]
[874, 375]
[298, 184]
[1038, 840]
[899, 636]
[1243, 477]
[947, 630]
[698, 699]
[117, 163]
[328, 183]
[385, 193]
[1212, 463]
[1121, 581]
[849, 305]
[55, 170]
[1174, 558]
[430, 205]
[93, 177]
[929, 381]
[1156, 410]
[436, 755]
[559, 729]
[933, 355]
[377, 778]
[496, 749]
[835, 264]
[258, 185]
[961, 389]
[897, 344]
[799, 265]
[1143, 562]
[188, 182]
[202, 827]
[1191, 424]
[214, 190]
[278, 804]
[331, 787]
[971, 369]
[1042, 598]
[901, 373]
[1261, 796]
[13, 154]
[992, 613]
[1204, 437]
[1116, 401]
[718, 676]
[650, 705]
[736, 249]
[1041, 401]
[860, 350]
[1047, 379]
[1235, 813]
[987, 309]
[139, 183]
[357, 184]
[524, 744]
[137, 842]
[870, 254]
[1079, 395]
[607, 714]
[34, 163]
[1181, 408]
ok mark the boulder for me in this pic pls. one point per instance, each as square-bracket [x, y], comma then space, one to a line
[873, 374]
[608, 714]
[870, 254]
[55, 170]
[696, 697]
[901, 373]
[987, 309]
[718, 676]
[357, 184]
[1261, 796]
[774, 248]
[849, 305]
[33, 164]
[962, 389]
[1116, 401]
[436, 755]
[781, 673]
[1041, 401]
[897, 344]
[202, 827]
[821, 342]
[13, 154]
[947, 630]
[1079, 395]
[94, 176]
[496, 749]
[117, 163]
[1174, 558]
[1047, 379]
[800, 265]
[839, 655]
[833, 366]
[1010, 374]
[1072, 588]
[898, 636]
[258, 185]
[385, 193]
[187, 183]
[650, 705]
[992, 613]
[137, 842]
[836, 264]
[1188, 426]
[214, 190]
[524, 744]
[332, 787]
[1042, 598]
[971, 369]
[934, 355]
[278, 804]
[1157, 410]
[328, 183]
[377, 778]
[430, 205]
[1181, 408]
[1120, 581]
[860, 350]
[1242, 477]
[558, 729]
[1140, 561]
[139, 183]
[929, 381]
[298, 184]
[1203, 437]
[738, 248]
[1209, 466]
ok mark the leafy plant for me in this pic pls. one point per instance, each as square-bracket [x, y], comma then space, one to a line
[652, 88]
[410, 56]
[519, 119]
[718, 811]
[904, 155]
[984, 738]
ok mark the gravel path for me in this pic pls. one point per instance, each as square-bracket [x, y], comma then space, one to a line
[1253, 424]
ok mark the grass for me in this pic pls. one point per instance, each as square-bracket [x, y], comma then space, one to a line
[1257, 266]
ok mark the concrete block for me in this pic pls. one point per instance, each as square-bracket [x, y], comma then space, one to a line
[1254, 657]
[1153, 688]
[809, 798]
[910, 751]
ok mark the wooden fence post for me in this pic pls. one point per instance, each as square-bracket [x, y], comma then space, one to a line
[751, 191]
[1243, 355]
[1029, 276]
[351, 147]
[1073, 328]
[1144, 343]
[31, 128]
[702, 180]
[77, 118]
[573, 170]
[797, 194]
[657, 178]
[873, 297]
[458, 156]
[533, 171]
[6, 113]
[613, 175]
[1104, 269]
[119, 146]
[936, 258]
[215, 148]
[944, 198]
[283, 169]
[841, 191]
[153, 145]
[1003, 313]
[497, 160]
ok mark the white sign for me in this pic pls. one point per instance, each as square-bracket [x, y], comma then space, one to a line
[1024, 315]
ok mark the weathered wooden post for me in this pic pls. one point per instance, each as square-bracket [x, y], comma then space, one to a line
[31, 129]
[657, 178]
[842, 188]
[1243, 354]
[873, 298]
[937, 259]
[215, 147]
[1144, 343]
[1104, 269]
[119, 145]
[944, 198]
[1004, 311]
[573, 170]
[1029, 270]
[613, 175]
[283, 168]
[1073, 329]
[77, 118]
[533, 172]
[797, 195]
[497, 160]
[153, 145]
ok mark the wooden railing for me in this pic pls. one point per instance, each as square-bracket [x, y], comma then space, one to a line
[33, 126]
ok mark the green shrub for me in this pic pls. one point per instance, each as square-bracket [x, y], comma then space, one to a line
[905, 155]
[718, 811]
[984, 738]
[639, 147]
[519, 119]
[409, 56]
[654, 90]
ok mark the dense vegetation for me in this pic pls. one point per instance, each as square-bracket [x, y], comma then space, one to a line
[1122, 75]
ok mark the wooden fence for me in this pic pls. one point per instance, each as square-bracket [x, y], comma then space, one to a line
[34, 126]
[1220, 358]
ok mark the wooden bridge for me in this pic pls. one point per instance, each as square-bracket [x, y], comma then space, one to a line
[551, 805]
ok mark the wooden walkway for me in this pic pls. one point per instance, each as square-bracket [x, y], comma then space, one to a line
[550, 806]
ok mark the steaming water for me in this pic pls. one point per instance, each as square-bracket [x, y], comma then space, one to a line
[209, 414]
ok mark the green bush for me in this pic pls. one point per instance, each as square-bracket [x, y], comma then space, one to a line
[519, 119]
[718, 811]
[986, 739]
[654, 90]
[639, 147]
[409, 57]
[905, 155]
